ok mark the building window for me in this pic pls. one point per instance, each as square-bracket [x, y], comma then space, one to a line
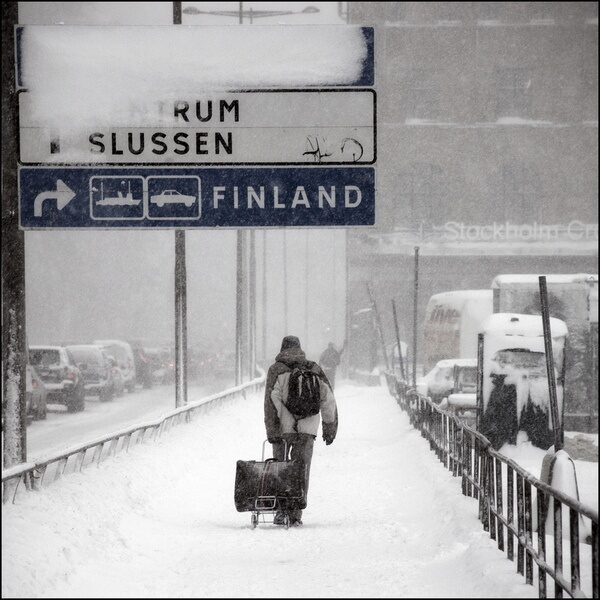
[422, 94]
[521, 194]
[513, 91]
[420, 195]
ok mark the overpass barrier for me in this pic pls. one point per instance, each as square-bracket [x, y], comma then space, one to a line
[499, 485]
[53, 466]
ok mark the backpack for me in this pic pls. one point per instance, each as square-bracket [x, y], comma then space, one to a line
[304, 392]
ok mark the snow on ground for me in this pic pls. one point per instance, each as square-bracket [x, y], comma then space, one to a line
[62, 429]
[385, 519]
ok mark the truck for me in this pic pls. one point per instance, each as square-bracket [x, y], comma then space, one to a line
[452, 321]
[572, 298]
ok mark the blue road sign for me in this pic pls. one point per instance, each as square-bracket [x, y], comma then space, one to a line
[192, 197]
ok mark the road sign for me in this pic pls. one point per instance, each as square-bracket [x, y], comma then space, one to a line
[191, 197]
[110, 143]
[289, 127]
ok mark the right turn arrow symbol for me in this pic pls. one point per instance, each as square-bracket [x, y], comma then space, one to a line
[63, 195]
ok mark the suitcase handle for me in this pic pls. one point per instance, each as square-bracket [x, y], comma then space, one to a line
[265, 503]
[285, 448]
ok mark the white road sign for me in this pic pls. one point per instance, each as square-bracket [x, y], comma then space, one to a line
[332, 126]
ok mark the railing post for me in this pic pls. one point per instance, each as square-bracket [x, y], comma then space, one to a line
[574, 539]
[541, 513]
[61, 463]
[528, 535]
[470, 464]
[492, 495]
[485, 491]
[520, 525]
[510, 512]
[558, 562]
[499, 504]
[595, 562]
[476, 488]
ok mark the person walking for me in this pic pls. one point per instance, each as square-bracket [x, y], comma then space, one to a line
[330, 360]
[287, 431]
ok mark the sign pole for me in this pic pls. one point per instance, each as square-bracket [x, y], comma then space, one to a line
[556, 423]
[400, 357]
[14, 338]
[180, 294]
[238, 308]
[264, 298]
[252, 294]
[285, 282]
[415, 304]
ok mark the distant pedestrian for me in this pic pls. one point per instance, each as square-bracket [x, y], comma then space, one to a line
[329, 361]
[284, 424]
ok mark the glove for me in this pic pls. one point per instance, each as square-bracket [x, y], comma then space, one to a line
[328, 433]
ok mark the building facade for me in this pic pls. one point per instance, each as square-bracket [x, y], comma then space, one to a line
[487, 132]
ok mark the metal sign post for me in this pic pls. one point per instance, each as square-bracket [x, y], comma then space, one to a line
[14, 338]
[415, 305]
[556, 422]
[400, 357]
[180, 294]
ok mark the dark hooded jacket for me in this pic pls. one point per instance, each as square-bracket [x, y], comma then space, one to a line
[290, 356]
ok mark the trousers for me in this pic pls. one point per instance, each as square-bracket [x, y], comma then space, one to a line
[300, 448]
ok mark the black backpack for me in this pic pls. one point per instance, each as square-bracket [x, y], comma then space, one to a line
[304, 393]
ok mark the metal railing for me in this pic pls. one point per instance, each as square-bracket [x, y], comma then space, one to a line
[53, 466]
[498, 484]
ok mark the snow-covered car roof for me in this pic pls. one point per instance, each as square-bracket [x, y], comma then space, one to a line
[513, 324]
[461, 362]
[44, 347]
[112, 343]
[511, 279]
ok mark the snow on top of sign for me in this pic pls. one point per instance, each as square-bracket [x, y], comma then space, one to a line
[521, 278]
[80, 75]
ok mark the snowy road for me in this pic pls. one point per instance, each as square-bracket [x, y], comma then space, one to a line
[384, 519]
[62, 429]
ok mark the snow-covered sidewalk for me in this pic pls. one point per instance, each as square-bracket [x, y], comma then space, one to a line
[385, 519]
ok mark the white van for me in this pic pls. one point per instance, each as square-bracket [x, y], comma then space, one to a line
[123, 355]
[452, 322]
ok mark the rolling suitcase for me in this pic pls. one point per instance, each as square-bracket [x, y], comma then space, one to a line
[267, 486]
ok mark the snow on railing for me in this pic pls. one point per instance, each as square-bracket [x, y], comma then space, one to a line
[489, 477]
[56, 464]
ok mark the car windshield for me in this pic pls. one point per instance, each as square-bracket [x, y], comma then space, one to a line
[44, 358]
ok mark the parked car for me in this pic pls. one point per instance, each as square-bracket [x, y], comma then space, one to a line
[449, 376]
[124, 356]
[61, 377]
[95, 370]
[35, 394]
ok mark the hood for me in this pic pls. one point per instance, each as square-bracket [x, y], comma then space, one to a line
[291, 356]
